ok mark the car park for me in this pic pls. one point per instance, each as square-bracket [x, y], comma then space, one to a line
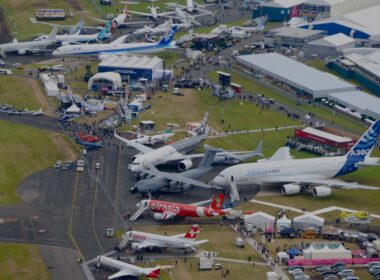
[330, 277]
[346, 272]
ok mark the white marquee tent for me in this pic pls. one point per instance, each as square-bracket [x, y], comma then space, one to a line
[326, 250]
[282, 223]
[259, 220]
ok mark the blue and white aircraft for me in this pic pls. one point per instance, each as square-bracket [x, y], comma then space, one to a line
[65, 39]
[297, 175]
[118, 47]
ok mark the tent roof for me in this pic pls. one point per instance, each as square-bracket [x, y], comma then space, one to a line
[73, 109]
[284, 219]
[310, 217]
[260, 214]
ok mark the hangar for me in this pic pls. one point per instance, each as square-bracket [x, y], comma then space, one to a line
[303, 81]
[359, 101]
[329, 46]
[361, 64]
[360, 24]
[133, 67]
[329, 8]
[291, 36]
[277, 10]
[111, 80]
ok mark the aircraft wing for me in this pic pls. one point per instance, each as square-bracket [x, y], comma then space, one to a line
[139, 13]
[145, 244]
[201, 202]
[121, 273]
[137, 146]
[166, 215]
[332, 183]
[177, 178]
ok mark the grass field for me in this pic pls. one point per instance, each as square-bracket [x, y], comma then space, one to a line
[16, 91]
[194, 104]
[23, 150]
[20, 261]
[221, 240]
[250, 85]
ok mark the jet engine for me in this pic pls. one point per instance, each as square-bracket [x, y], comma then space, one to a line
[21, 52]
[135, 246]
[65, 43]
[158, 216]
[185, 164]
[290, 189]
[322, 191]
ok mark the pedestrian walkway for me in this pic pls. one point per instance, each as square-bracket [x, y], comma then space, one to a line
[277, 206]
[248, 131]
[269, 260]
[213, 255]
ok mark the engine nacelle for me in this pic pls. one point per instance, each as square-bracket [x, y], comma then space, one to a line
[135, 246]
[322, 191]
[290, 189]
[186, 187]
[21, 52]
[158, 216]
[185, 164]
[65, 43]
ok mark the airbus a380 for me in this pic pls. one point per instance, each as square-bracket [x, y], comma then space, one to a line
[117, 47]
[141, 240]
[296, 175]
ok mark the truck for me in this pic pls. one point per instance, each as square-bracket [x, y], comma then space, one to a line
[5, 71]
[239, 242]
[205, 263]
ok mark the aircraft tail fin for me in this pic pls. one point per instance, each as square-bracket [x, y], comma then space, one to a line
[203, 126]
[168, 37]
[256, 152]
[217, 202]
[208, 156]
[105, 32]
[282, 153]
[52, 34]
[364, 146]
[154, 273]
[193, 231]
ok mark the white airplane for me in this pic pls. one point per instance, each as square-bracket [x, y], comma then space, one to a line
[153, 139]
[29, 46]
[169, 153]
[184, 17]
[297, 175]
[120, 20]
[159, 29]
[126, 269]
[117, 47]
[141, 240]
[191, 6]
[153, 12]
[65, 39]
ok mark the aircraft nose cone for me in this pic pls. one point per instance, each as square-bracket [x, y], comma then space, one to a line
[219, 181]
[134, 189]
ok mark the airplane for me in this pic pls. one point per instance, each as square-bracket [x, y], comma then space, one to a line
[153, 12]
[360, 215]
[177, 182]
[29, 46]
[169, 153]
[120, 20]
[161, 28]
[297, 175]
[191, 6]
[184, 17]
[153, 139]
[118, 47]
[89, 145]
[65, 39]
[165, 210]
[141, 240]
[174, 183]
[126, 269]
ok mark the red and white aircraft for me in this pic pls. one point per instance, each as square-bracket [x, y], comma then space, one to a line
[126, 269]
[164, 210]
[142, 240]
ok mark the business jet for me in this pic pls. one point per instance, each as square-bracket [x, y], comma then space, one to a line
[152, 139]
[117, 47]
[22, 48]
[170, 153]
[141, 240]
[126, 269]
[161, 28]
[297, 175]
[65, 39]
[191, 6]
[121, 20]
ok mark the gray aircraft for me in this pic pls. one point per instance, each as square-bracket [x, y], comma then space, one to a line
[177, 182]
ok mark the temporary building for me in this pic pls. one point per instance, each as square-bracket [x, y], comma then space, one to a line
[282, 223]
[105, 78]
[259, 220]
[135, 105]
[326, 250]
[73, 109]
[308, 220]
[282, 258]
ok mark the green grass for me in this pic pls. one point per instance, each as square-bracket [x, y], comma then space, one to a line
[251, 85]
[21, 261]
[194, 104]
[15, 91]
[23, 150]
